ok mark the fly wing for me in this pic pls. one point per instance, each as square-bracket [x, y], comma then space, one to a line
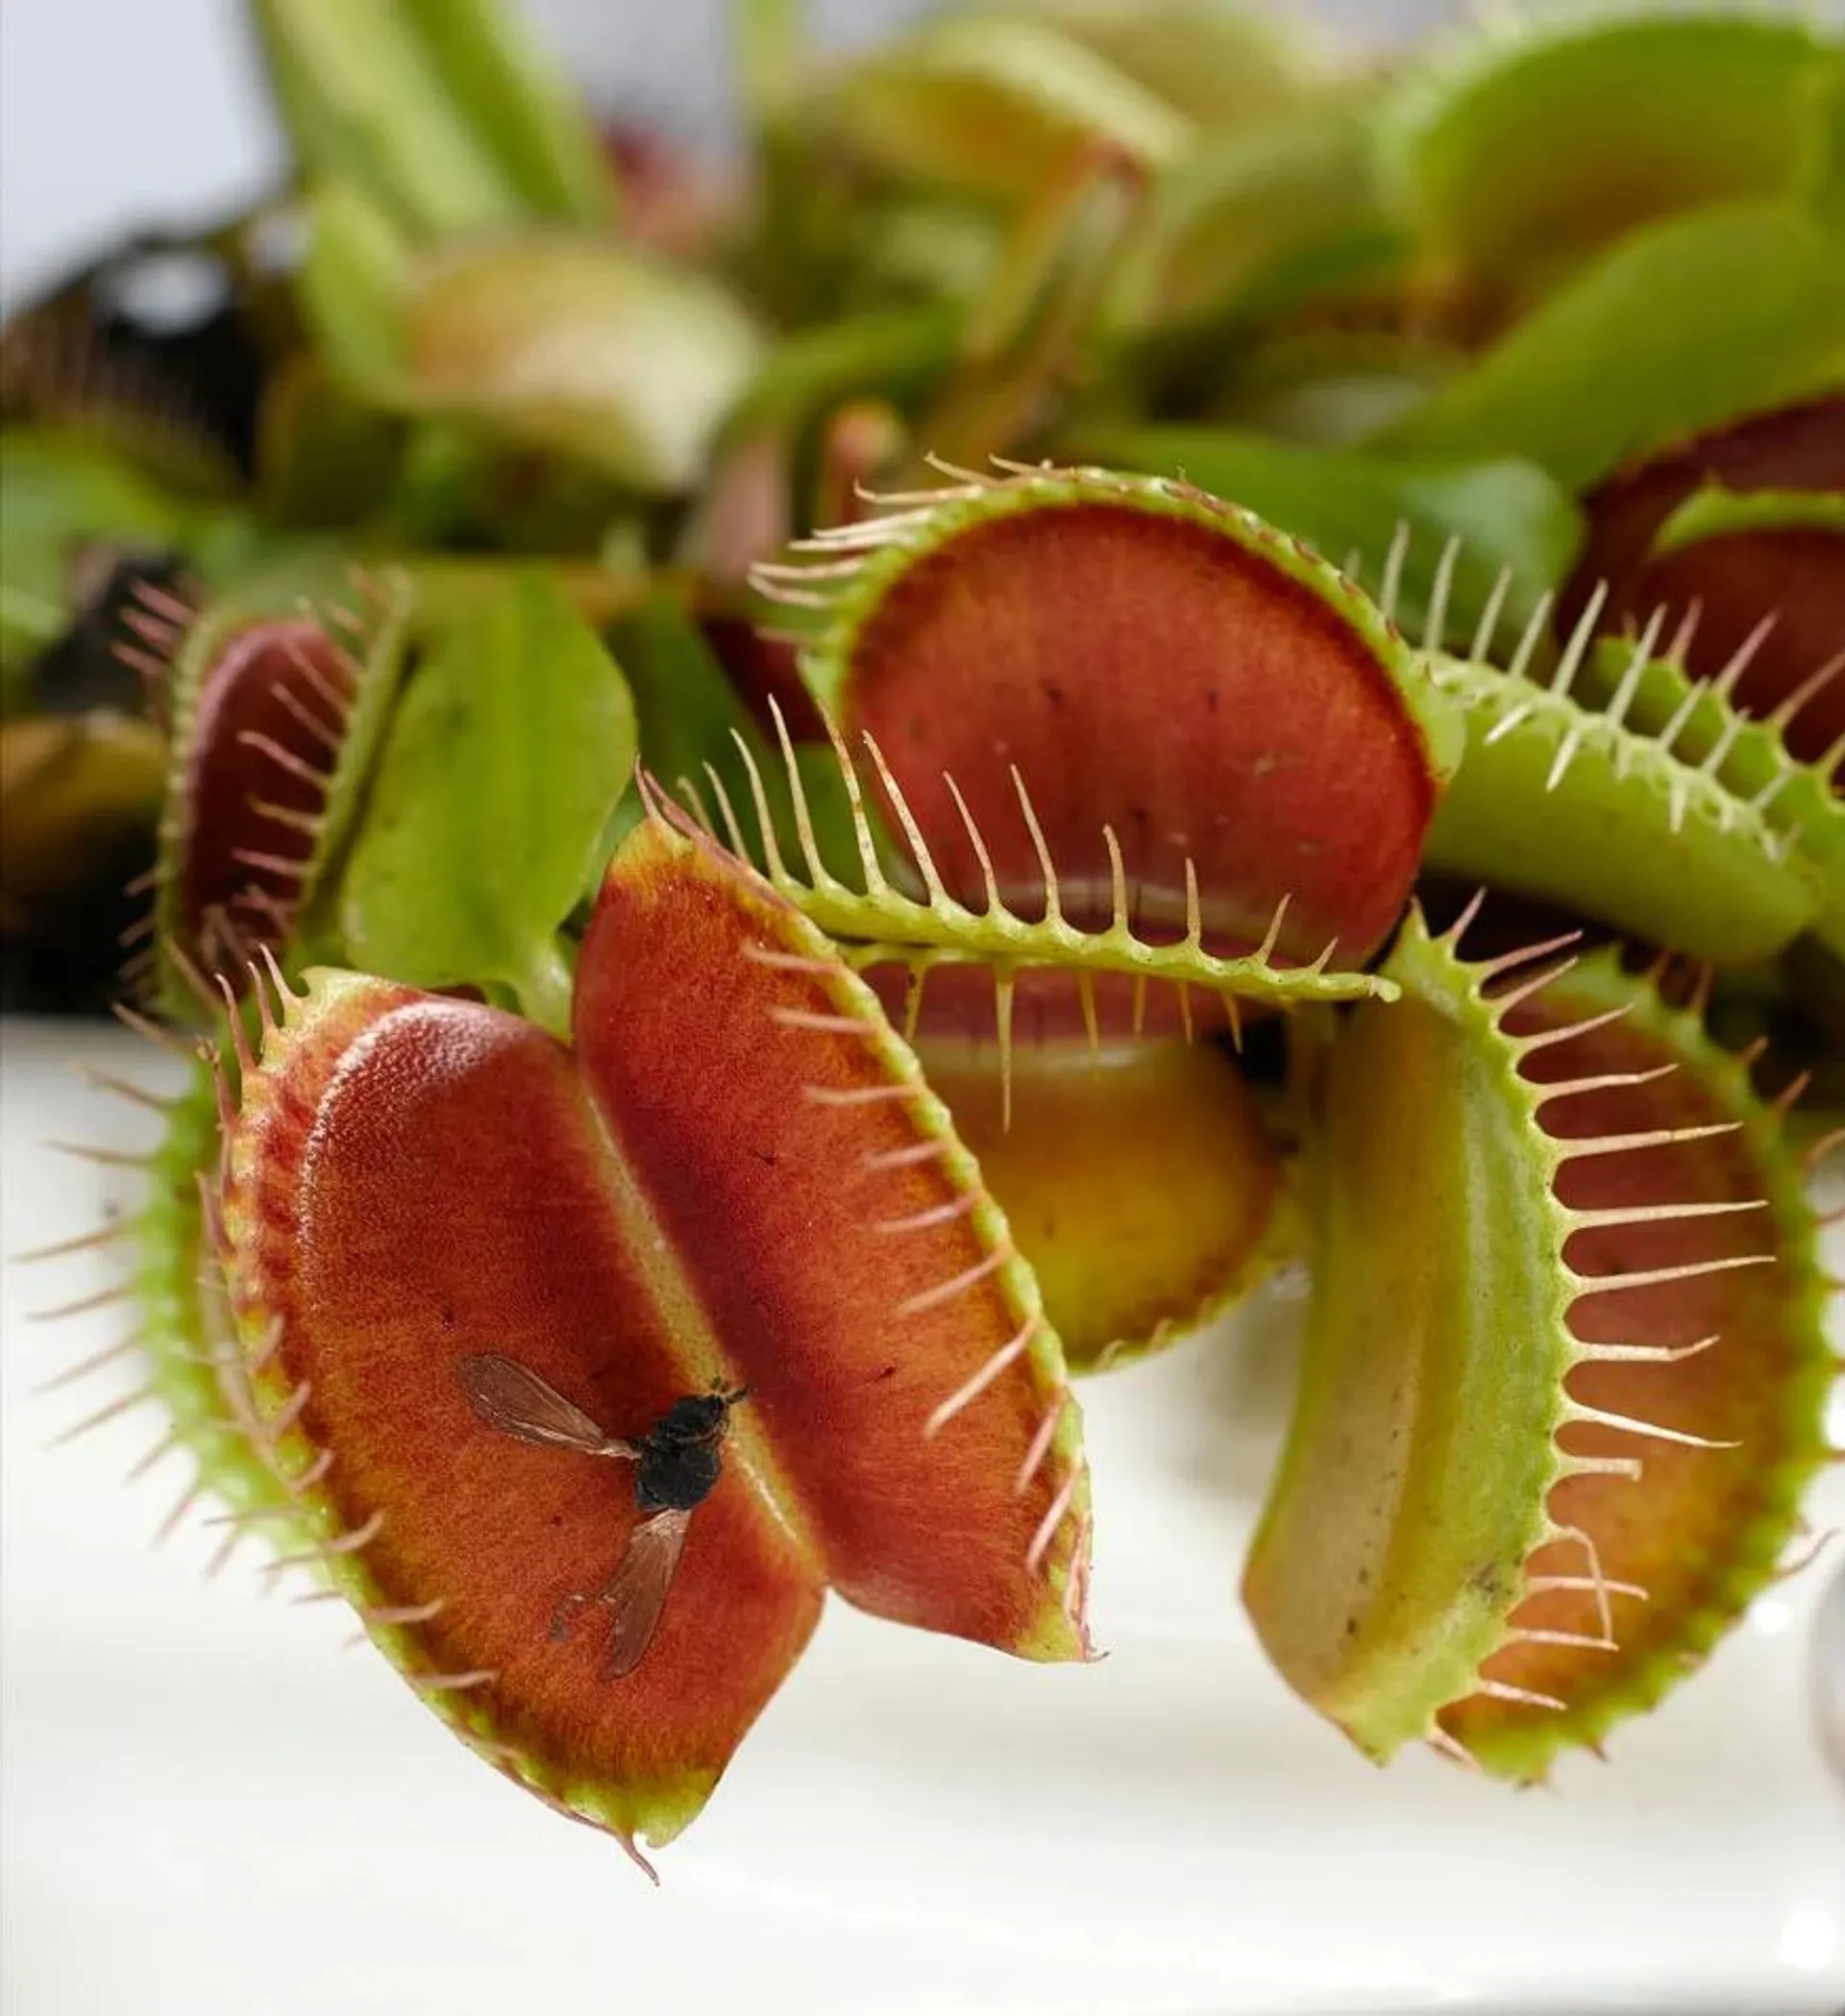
[512, 1398]
[637, 1594]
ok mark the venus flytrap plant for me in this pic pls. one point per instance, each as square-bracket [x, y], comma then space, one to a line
[1259, 664]
[1556, 800]
[1675, 328]
[628, 1250]
[1593, 1380]
[1698, 720]
[1439, 545]
[621, 1010]
[1139, 1179]
[274, 720]
[1723, 559]
[514, 740]
[1675, 109]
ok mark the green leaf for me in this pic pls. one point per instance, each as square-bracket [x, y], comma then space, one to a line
[515, 737]
[1511, 517]
[570, 343]
[1578, 810]
[363, 103]
[1257, 221]
[995, 105]
[517, 108]
[887, 351]
[693, 724]
[1225, 66]
[352, 285]
[1825, 179]
[1681, 326]
[1663, 111]
[58, 492]
[1714, 512]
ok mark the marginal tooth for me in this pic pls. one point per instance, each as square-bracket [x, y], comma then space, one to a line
[118, 1406]
[1465, 922]
[774, 957]
[324, 1552]
[1521, 1635]
[955, 1208]
[1608, 1081]
[1582, 1584]
[732, 826]
[975, 480]
[1713, 762]
[817, 1022]
[1509, 723]
[1533, 634]
[1520, 1697]
[1442, 589]
[285, 759]
[1053, 905]
[1390, 591]
[1665, 1213]
[1091, 1023]
[1117, 884]
[817, 872]
[1544, 1039]
[765, 819]
[955, 1286]
[464, 1683]
[809, 571]
[1810, 689]
[1008, 1354]
[83, 1243]
[994, 908]
[1647, 1354]
[1266, 951]
[1651, 1137]
[1042, 1439]
[102, 1298]
[1626, 1468]
[1659, 1277]
[862, 834]
[308, 823]
[94, 1362]
[1649, 1431]
[184, 1504]
[790, 597]
[1438, 1738]
[1533, 984]
[939, 901]
[104, 1158]
[1566, 754]
[331, 739]
[1488, 969]
[1488, 628]
[1577, 648]
[1724, 683]
[1002, 992]
[164, 1448]
[1636, 669]
[1053, 1518]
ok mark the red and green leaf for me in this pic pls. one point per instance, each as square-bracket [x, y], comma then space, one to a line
[411, 1180]
[1565, 1346]
[1161, 672]
[274, 722]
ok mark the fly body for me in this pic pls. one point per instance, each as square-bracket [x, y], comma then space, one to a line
[677, 1465]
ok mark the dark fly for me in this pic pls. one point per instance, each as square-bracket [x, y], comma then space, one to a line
[677, 1465]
